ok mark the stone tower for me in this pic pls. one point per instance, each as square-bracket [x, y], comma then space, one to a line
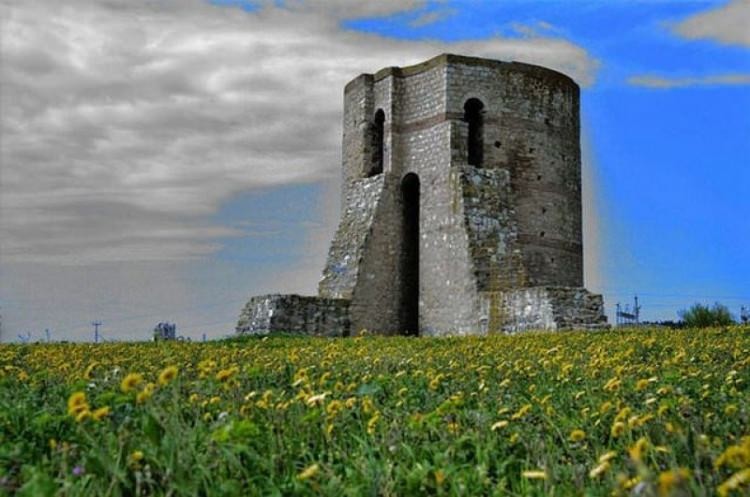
[461, 207]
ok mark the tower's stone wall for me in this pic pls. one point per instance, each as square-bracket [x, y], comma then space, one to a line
[347, 250]
[499, 209]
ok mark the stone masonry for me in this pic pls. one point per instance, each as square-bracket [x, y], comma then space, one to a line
[461, 208]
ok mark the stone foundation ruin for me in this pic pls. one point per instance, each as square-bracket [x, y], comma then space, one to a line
[461, 208]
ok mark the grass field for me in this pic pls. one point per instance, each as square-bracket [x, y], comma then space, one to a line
[637, 412]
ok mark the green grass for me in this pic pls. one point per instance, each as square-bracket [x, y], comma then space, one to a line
[382, 416]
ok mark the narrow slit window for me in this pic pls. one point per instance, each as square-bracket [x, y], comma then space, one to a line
[473, 110]
[378, 137]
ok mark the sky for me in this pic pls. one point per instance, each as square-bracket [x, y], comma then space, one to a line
[166, 160]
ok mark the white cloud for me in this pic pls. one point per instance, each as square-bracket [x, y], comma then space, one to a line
[126, 124]
[650, 81]
[728, 24]
[431, 17]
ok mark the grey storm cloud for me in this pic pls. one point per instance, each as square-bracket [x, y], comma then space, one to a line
[126, 124]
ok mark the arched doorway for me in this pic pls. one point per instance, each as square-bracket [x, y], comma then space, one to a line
[409, 270]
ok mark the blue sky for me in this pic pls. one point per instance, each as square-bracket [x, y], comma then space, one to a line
[194, 159]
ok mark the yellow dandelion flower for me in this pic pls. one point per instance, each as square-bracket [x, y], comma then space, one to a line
[612, 385]
[367, 405]
[599, 470]
[309, 472]
[142, 397]
[577, 435]
[224, 375]
[135, 457]
[641, 385]
[439, 477]
[735, 482]
[623, 414]
[334, 407]
[730, 410]
[100, 413]
[435, 382]
[536, 474]
[664, 391]
[670, 480]
[618, 428]
[168, 375]
[77, 403]
[315, 400]
[83, 415]
[145, 394]
[373, 423]
[627, 483]
[89, 370]
[324, 378]
[500, 424]
[607, 456]
[523, 411]
[130, 382]
[638, 449]
[642, 420]
[734, 456]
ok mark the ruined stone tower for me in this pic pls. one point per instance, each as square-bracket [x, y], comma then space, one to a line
[461, 208]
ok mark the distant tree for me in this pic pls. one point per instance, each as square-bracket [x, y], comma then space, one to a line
[703, 316]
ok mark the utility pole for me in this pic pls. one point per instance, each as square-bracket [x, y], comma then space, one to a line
[618, 317]
[637, 311]
[46, 332]
[96, 325]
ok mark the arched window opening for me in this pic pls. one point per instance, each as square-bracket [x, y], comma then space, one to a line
[378, 137]
[409, 308]
[473, 110]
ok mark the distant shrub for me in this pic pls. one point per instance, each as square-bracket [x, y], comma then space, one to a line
[703, 316]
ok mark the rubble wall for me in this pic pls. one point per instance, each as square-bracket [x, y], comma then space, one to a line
[297, 314]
